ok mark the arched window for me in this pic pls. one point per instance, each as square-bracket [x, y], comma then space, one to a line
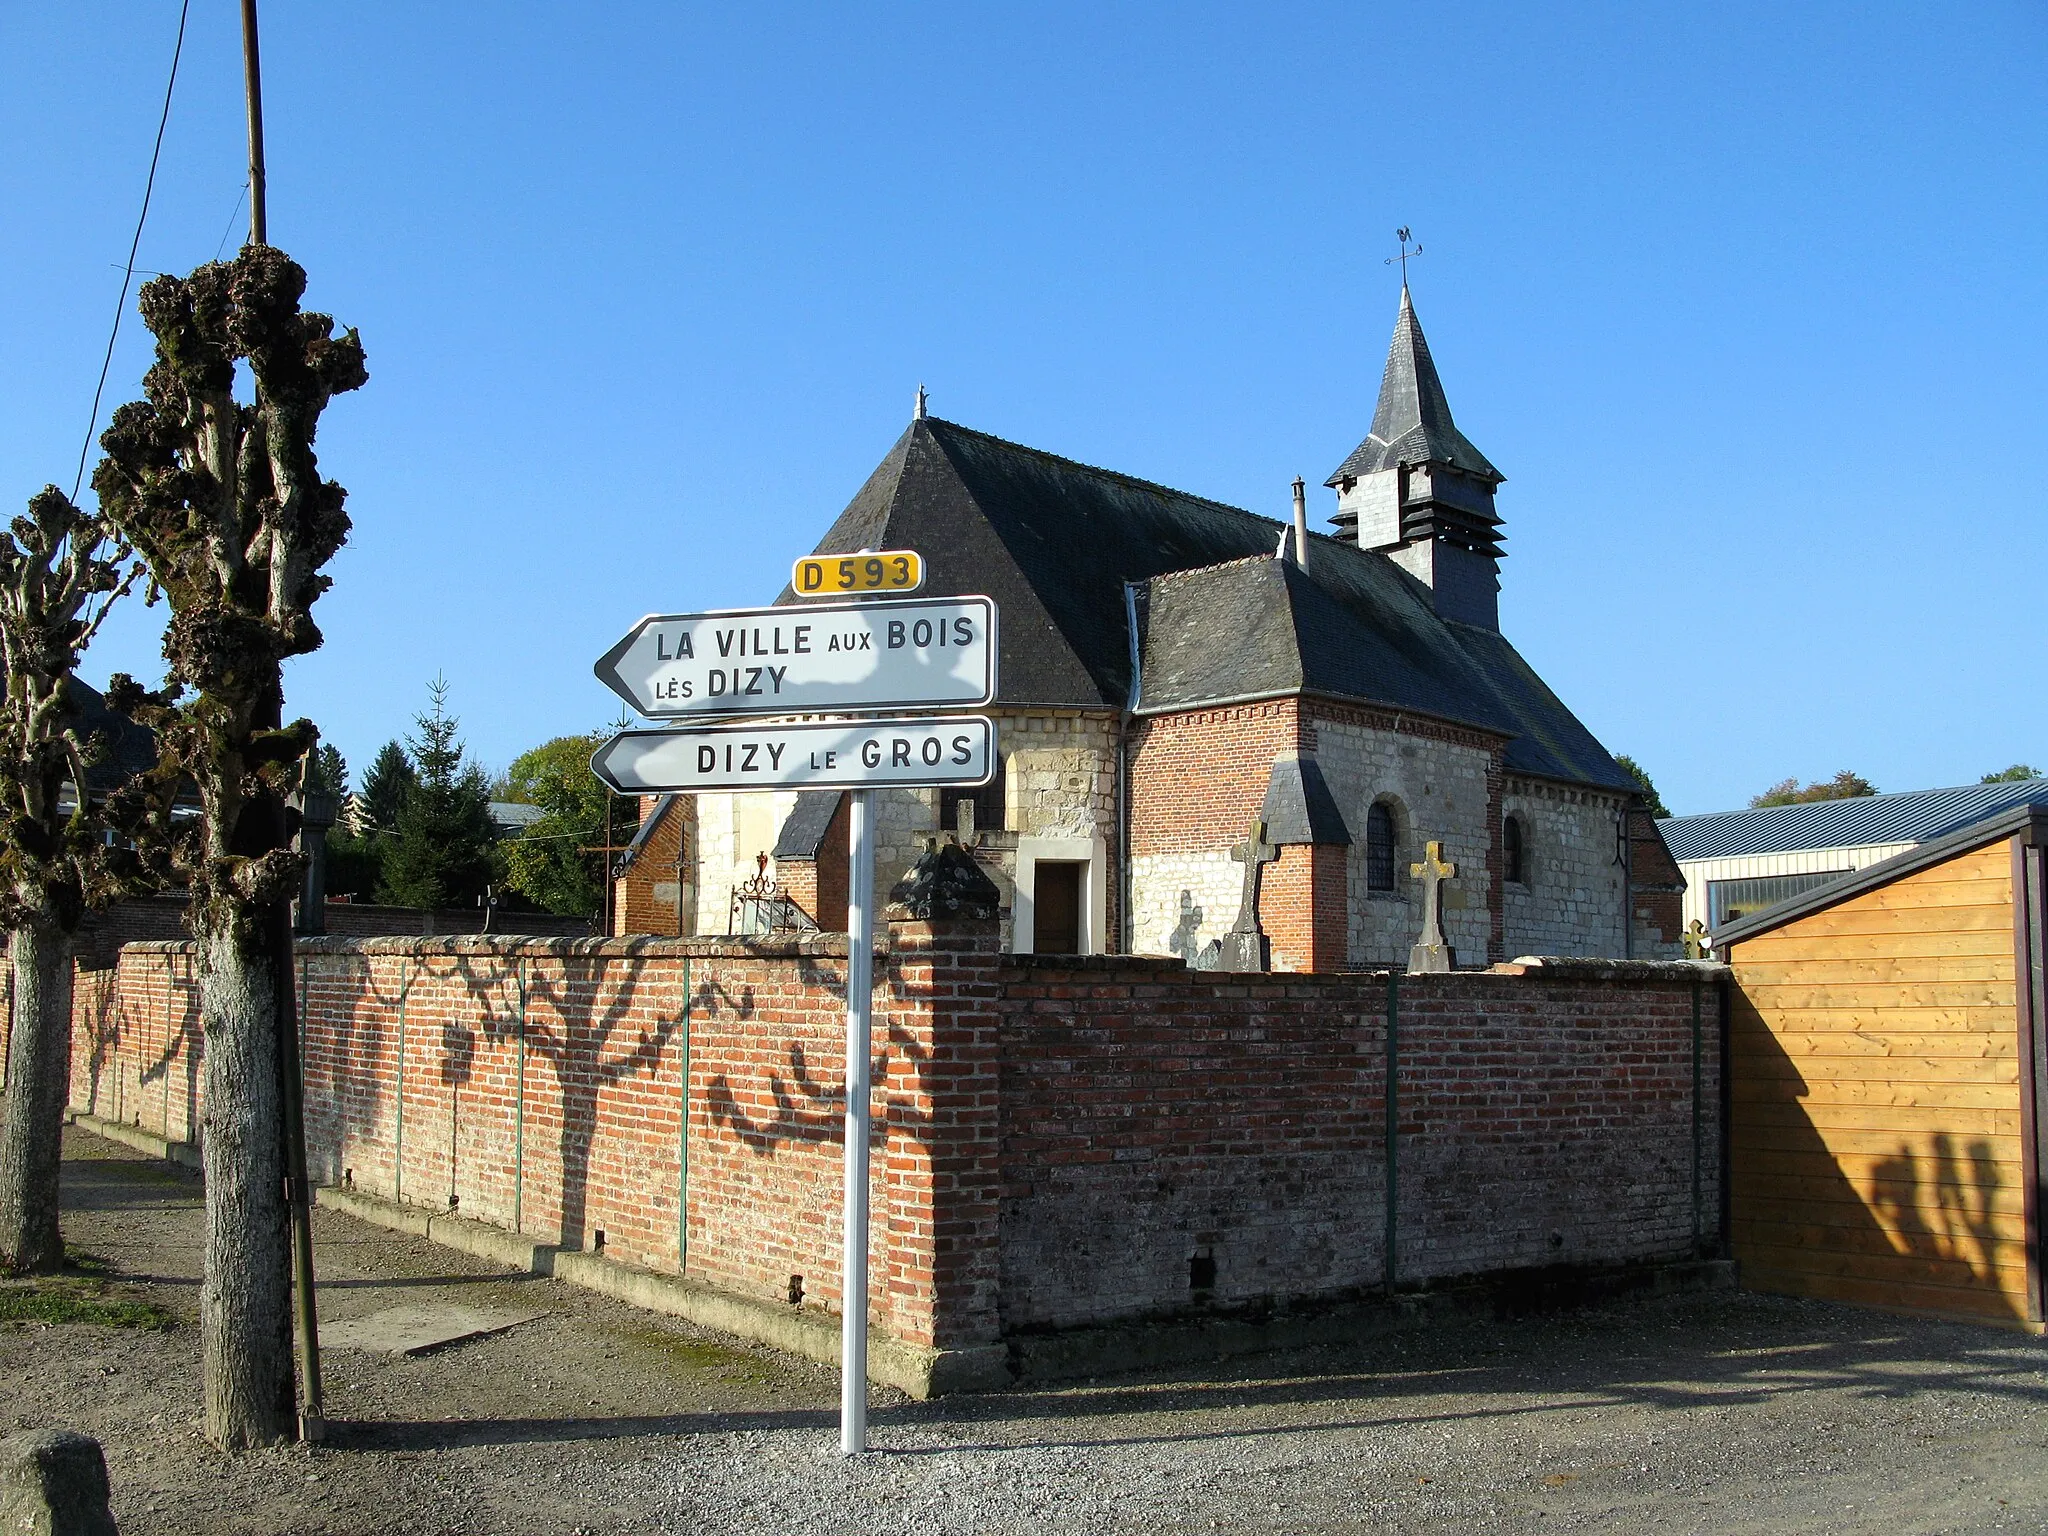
[1379, 849]
[1511, 845]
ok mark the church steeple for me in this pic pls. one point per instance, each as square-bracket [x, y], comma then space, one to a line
[1418, 489]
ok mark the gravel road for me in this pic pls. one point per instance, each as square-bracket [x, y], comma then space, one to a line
[1711, 1413]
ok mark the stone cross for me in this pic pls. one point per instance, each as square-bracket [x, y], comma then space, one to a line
[1430, 953]
[1245, 947]
[1699, 943]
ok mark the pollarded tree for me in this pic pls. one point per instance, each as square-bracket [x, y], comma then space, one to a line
[59, 575]
[225, 502]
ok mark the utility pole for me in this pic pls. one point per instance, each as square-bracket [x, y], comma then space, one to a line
[252, 75]
[291, 1072]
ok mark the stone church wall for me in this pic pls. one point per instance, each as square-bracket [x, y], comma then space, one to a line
[1571, 901]
[1437, 783]
[1059, 1141]
[1059, 782]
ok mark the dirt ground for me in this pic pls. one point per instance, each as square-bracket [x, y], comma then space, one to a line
[1709, 1413]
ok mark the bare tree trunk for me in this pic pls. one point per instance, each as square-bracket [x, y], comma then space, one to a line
[245, 1300]
[38, 1083]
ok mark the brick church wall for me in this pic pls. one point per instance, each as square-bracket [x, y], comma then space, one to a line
[1197, 780]
[1059, 1141]
[657, 895]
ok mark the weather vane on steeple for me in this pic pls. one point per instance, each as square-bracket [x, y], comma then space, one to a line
[1406, 255]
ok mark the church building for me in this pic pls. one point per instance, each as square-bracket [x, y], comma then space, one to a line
[1172, 670]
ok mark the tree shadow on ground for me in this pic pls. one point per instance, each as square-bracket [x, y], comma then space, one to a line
[1723, 1352]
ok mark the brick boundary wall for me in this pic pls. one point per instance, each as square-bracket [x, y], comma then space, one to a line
[1060, 1141]
[1175, 1140]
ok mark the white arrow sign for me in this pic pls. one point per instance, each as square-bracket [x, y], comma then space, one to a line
[809, 754]
[901, 653]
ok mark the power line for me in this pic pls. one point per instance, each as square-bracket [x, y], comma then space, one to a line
[231, 222]
[134, 245]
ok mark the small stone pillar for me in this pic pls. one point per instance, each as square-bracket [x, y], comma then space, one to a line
[317, 811]
[53, 1482]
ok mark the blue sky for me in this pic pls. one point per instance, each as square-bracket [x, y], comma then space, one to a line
[1746, 302]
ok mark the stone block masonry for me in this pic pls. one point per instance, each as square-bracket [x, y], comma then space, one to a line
[1061, 1142]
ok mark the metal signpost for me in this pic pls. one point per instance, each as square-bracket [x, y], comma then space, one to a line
[832, 659]
[885, 653]
[805, 754]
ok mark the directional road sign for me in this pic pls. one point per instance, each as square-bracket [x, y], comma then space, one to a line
[824, 658]
[880, 570]
[809, 754]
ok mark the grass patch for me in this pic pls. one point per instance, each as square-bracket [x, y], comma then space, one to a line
[78, 1261]
[57, 1300]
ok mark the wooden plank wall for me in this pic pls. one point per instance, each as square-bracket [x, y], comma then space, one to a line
[1876, 1154]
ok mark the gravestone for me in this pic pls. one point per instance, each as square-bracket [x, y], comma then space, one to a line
[1246, 947]
[1430, 954]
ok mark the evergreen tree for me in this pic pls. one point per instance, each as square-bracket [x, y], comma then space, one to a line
[327, 771]
[441, 854]
[386, 785]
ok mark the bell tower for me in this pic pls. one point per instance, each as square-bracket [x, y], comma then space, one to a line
[1419, 492]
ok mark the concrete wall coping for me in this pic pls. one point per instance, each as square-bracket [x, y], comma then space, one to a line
[1543, 967]
[1575, 968]
[834, 945]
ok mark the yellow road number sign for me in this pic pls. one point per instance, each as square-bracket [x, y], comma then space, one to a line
[882, 570]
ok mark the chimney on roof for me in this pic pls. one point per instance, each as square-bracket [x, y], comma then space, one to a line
[1300, 523]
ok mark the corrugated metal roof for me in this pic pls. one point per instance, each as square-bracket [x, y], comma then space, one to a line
[1913, 817]
[2029, 820]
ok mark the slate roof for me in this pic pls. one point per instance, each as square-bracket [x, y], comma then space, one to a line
[803, 832]
[1412, 423]
[1299, 807]
[1916, 816]
[1054, 542]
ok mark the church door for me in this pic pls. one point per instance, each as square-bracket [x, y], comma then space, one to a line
[1056, 907]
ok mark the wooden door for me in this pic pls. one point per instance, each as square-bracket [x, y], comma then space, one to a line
[1056, 908]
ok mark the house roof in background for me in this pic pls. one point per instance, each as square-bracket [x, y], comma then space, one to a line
[2024, 818]
[131, 748]
[1915, 816]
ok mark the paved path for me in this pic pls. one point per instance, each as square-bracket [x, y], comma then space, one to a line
[1700, 1414]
